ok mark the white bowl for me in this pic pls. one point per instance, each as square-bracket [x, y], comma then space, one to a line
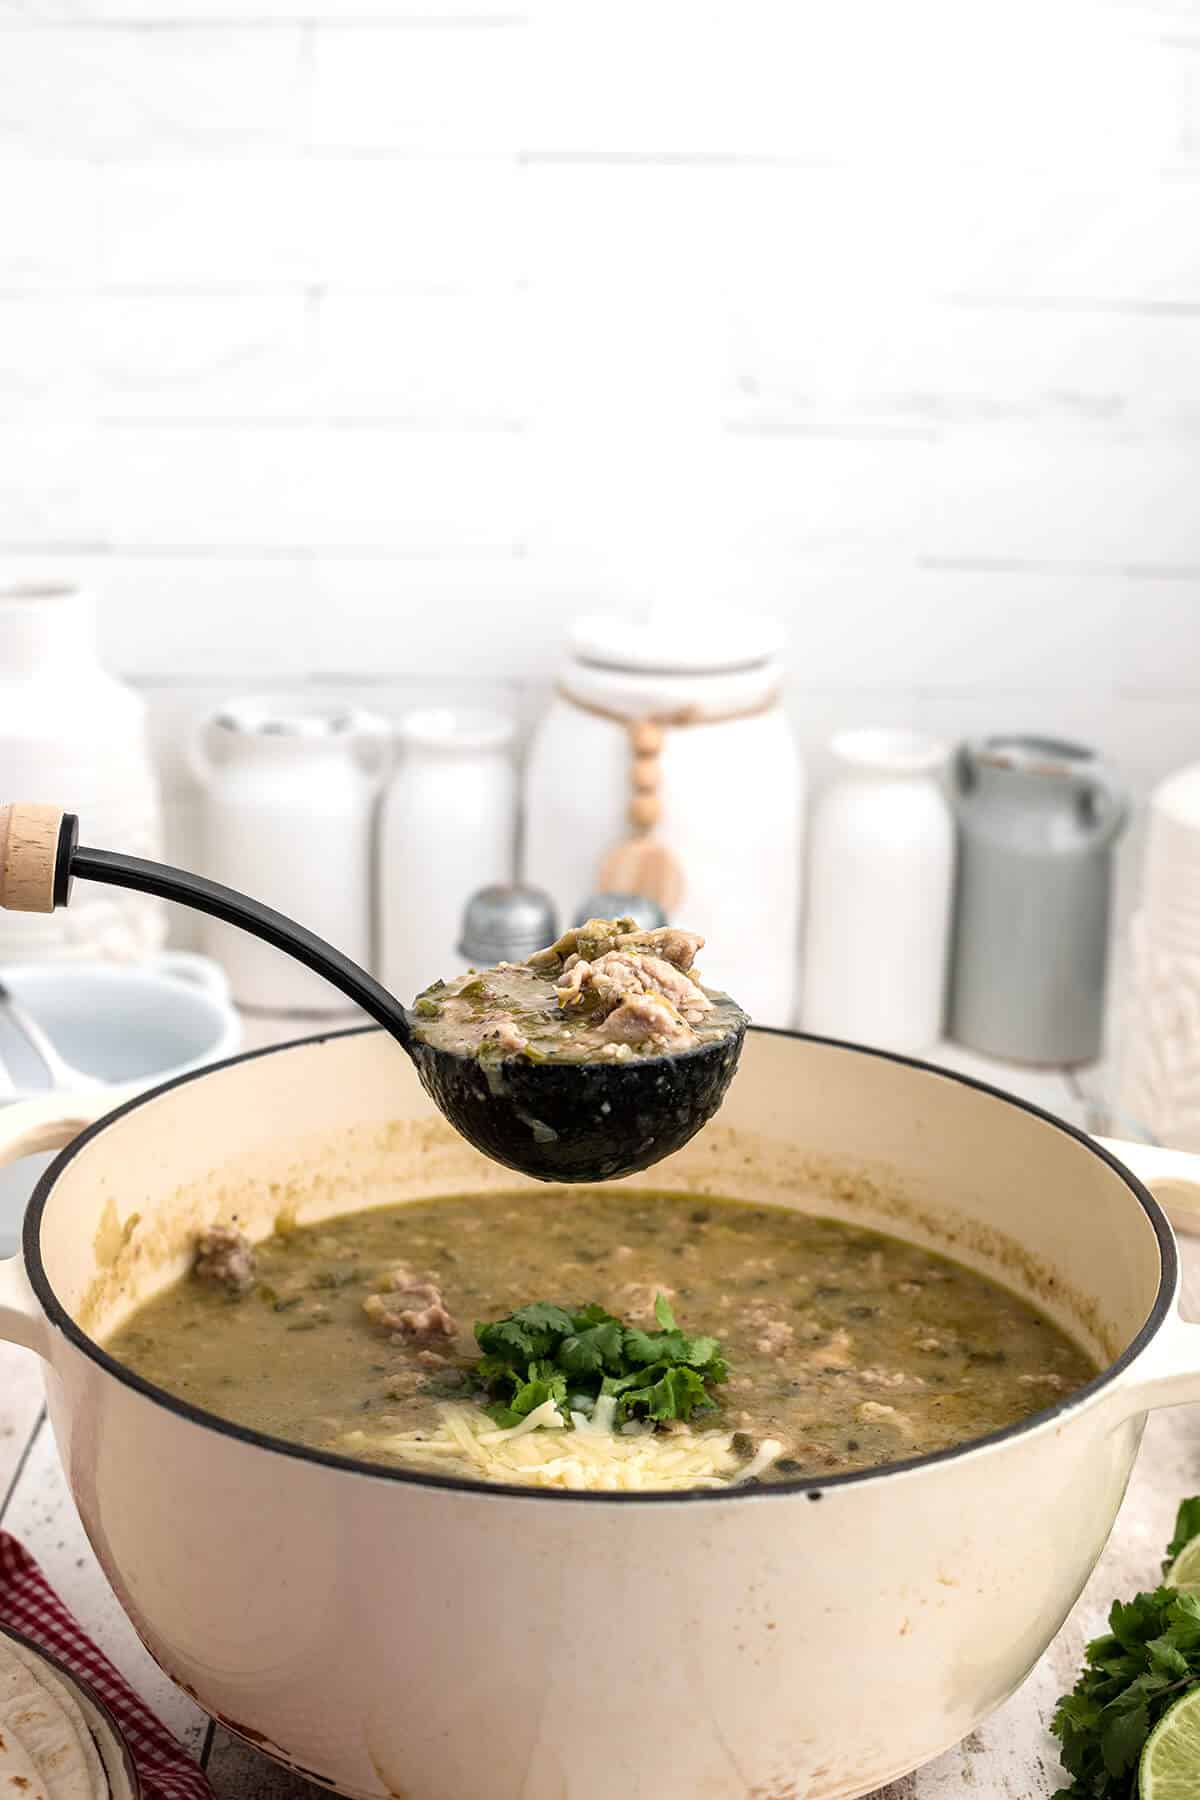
[130, 1027]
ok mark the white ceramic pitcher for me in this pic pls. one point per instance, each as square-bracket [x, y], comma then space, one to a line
[290, 791]
[68, 726]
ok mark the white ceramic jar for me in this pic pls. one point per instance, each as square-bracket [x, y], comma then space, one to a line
[1158, 1038]
[73, 736]
[728, 788]
[881, 880]
[448, 828]
[289, 799]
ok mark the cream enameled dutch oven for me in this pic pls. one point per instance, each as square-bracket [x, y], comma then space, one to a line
[407, 1635]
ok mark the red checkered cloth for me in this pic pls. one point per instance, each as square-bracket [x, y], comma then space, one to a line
[28, 1604]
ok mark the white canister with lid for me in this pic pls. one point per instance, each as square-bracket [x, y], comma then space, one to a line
[72, 735]
[880, 892]
[671, 732]
[448, 828]
[289, 797]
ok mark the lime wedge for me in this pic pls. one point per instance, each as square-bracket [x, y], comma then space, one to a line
[1170, 1765]
[1184, 1572]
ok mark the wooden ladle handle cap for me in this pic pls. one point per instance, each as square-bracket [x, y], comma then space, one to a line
[36, 847]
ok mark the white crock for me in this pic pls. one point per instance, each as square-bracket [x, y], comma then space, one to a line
[880, 886]
[447, 828]
[399, 1634]
[730, 789]
[67, 726]
[289, 799]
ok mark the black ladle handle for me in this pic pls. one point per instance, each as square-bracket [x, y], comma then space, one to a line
[40, 855]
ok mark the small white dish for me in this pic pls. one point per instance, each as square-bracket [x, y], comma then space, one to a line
[130, 1027]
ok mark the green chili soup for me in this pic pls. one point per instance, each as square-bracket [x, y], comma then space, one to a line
[842, 1348]
[604, 991]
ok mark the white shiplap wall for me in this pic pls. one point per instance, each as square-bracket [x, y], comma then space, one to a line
[361, 341]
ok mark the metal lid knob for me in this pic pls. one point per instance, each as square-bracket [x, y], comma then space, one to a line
[506, 923]
[647, 915]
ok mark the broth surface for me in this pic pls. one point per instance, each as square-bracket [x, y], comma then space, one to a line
[851, 1348]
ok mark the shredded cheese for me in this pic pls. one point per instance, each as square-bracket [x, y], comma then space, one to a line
[539, 1452]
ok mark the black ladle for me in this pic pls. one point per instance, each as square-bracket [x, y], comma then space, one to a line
[558, 1121]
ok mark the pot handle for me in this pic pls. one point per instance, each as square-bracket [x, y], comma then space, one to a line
[1173, 1177]
[26, 1129]
[1168, 1373]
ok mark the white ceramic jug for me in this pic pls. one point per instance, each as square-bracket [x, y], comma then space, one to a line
[675, 727]
[289, 801]
[448, 828]
[70, 732]
[881, 881]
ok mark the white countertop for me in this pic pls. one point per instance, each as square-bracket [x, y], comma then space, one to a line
[1010, 1758]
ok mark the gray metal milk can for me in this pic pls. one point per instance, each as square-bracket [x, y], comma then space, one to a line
[1038, 821]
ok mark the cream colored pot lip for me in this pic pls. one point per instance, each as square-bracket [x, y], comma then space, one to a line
[812, 1488]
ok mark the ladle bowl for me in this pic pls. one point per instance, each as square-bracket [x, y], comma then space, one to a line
[555, 1121]
[593, 1121]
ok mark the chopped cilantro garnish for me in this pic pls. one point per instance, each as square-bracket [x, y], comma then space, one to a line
[573, 1355]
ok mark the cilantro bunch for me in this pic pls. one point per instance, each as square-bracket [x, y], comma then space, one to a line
[546, 1352]
[1149, 1656]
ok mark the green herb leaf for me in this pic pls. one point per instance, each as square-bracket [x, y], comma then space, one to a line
[1187, 1526]
[599, 1348]
[1123, 1735]
[532, 1331]
[592, 1315]
[671, 1345]
[533, 1394]
[676, 1395]
[642, 1347]
[1167, 1657]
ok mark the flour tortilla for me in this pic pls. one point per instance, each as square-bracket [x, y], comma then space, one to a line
[50, 1735]
[123, 1783]
[49, 1677]
[19, 1779]
[104, 1746]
